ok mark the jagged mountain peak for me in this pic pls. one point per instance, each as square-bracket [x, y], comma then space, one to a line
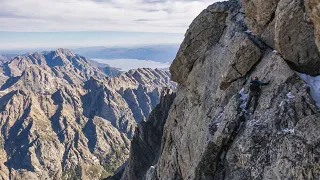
[61, 63]
[55, 53]
[47, 57]
[66, 52]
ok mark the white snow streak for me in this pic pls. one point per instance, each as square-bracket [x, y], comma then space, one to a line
[314, 84]
[290, 96]
[291, 131]
[243, 98]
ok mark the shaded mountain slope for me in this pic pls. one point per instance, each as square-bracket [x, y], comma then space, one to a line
[146, 143]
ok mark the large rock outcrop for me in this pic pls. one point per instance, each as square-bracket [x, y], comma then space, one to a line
[313, 10]
[285, 25]
[202, 35]
[62, 118]
[206, 135]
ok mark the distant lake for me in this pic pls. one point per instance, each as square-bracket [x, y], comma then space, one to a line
[127, 64]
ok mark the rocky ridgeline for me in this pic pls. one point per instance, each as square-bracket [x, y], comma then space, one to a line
[6, 57]
[62, 118]
[206, 135]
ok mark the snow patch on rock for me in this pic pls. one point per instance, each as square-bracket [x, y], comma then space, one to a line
[314, 84]
[243, 98]
[290, 96]
[290, 131]
[253, 122]
[248, 31]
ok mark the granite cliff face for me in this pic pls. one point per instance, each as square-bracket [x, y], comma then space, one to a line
[206, 135]
[62, 118]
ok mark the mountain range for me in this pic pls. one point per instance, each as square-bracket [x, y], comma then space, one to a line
[61, 117]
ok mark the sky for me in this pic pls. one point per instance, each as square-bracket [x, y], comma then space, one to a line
[81, 23]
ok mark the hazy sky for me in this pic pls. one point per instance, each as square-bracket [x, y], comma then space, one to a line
[65, 23]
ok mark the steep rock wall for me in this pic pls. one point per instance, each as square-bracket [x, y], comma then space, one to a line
[206, 135]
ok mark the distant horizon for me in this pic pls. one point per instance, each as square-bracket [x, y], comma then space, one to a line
[72, 48]
[53, 40]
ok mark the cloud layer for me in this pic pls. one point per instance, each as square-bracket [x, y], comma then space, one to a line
[99, 15]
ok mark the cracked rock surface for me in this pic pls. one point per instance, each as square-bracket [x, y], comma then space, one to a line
[290, 27]
[206, 136]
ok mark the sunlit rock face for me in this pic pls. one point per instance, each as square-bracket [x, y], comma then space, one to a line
[206, 135]
[291, 27]
[63, 118]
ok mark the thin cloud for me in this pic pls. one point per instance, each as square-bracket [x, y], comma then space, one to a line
[99, 15]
